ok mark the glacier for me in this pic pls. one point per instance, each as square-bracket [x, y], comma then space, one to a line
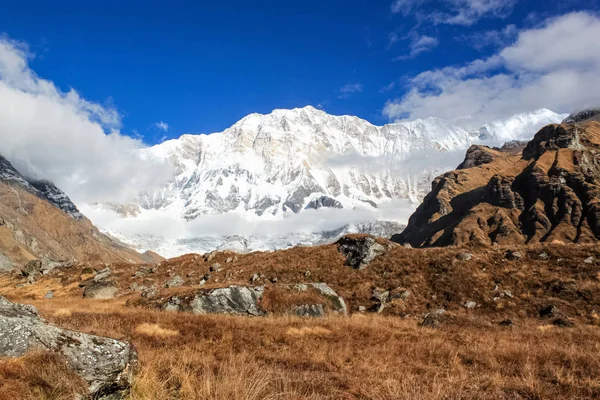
[297, 177]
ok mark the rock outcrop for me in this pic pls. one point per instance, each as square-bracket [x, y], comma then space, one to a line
[107, 365]
[360, 250]
[548, 192]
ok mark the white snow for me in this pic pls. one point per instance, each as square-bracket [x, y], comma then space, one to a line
[266, 167]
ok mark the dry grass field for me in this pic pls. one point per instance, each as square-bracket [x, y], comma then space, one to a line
[183, 356]
[365, 356]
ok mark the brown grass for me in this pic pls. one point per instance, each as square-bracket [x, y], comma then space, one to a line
[38, 376]
[359, 357]
[155, 330]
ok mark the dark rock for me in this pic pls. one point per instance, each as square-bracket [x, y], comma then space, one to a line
[513, 255]
[107, 365]
[562, 322]
[360, 251]
[549, 311]
[476, 155]
[323, 201]
[583, 116]
[506, 322]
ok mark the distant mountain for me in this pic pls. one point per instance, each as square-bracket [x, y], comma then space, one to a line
[549, 191]
[290, 162]
[39, 222]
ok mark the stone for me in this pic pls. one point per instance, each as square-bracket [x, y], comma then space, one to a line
[563, 322]
[470, 304]
[229, 260]
[433, 319]
[175, 281]
[506, 322]
[380, 295]
[172, 304]
[589, 260]
[255, 278]
[361, 251]
[273, 279]
[338, 304]
[549, 311]
[543, 256]
[400, 293]
[378, 308]
[465, 256]
[150, 292]
[102, 275]
[100, 290]
[216, 267]
[142, 272]
[513, 255]
[5, 263]
[312, 310]
[210, 256]
[49, 294]
[230, 300]
[33, 267]
[362, 309]
[107, 365]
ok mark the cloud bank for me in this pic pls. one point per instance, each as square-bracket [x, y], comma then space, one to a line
[556, 66]
[50, 134]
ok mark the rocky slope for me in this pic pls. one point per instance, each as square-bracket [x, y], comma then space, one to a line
[548, 192]
[293, 162]
[39, 222]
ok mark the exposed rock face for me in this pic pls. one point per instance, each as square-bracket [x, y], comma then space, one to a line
[246, 300]
[229, 300]
[359, 250]
[38, 221]
[107, 365]
[582, 116]
[324, 201]
[549, 192]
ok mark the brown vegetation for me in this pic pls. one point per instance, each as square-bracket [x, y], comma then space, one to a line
[360, 357]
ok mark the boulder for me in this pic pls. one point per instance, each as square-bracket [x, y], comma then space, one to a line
[465, 256]
[360, 251]
[338, 304]
[312, 310]
[100, 290]
[5, 263]
[230, 300]
[102, 275]
[107, 365]
[433, 319]
[175, 281]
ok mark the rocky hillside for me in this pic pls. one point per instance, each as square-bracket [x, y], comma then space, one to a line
[546, 191]
[41, 227]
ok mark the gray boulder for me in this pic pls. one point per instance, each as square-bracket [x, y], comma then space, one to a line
[5, 263]
[175, 281]
[102, 275]
[338, 304]
[107, 365]
[230, 300]
[100, 290]
[309, 310]
[360, 251]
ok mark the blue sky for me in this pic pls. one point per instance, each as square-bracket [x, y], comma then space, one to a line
[200, 66]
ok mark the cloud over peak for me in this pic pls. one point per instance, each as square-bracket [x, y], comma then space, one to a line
[556, 66]
[60, 136]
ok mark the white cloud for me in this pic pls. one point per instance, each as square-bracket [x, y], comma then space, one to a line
[163, 126]
[455, 12]
[555, 66]
[419, 44]
[494, 38]
[50, 134]
[350, 89]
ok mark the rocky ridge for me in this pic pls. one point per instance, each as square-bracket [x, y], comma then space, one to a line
[548, 192]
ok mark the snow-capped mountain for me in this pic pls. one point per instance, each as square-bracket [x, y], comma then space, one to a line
[301, 164]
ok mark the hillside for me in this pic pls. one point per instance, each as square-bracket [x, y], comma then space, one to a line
[547, 191]
[39, 222]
